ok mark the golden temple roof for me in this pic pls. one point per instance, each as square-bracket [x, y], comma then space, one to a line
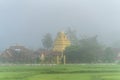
[61, 42]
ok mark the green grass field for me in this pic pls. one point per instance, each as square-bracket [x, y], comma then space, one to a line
[60, 72]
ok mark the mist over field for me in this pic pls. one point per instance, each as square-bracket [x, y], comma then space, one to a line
[26, 21]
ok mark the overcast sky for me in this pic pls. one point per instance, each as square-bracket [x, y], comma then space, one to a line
[26, 21]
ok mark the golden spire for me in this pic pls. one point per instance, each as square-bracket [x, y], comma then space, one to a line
[61, 42]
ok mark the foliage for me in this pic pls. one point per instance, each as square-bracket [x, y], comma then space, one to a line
[72, 54]
[109, 55]
[72, 36]
[47, 41]
[88, 51]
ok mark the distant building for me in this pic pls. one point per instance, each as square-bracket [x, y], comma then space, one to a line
[60, 44]
[18, 54]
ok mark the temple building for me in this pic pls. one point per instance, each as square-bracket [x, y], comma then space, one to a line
[18, 54]
[60, 43]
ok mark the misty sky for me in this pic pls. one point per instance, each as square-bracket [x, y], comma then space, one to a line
[26, 21]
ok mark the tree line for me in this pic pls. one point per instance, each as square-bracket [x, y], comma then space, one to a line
[81, 50]
[84, 50]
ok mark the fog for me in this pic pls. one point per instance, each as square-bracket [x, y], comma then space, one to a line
[26, 21]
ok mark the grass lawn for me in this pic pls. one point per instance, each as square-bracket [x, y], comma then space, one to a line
[60, 72]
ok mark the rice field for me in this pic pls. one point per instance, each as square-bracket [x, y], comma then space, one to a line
[60, 72]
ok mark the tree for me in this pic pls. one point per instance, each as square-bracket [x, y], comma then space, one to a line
[72, 54]
[47, 41]
[93, 49]
[88, 51]
[109, 55]
[72, 36]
